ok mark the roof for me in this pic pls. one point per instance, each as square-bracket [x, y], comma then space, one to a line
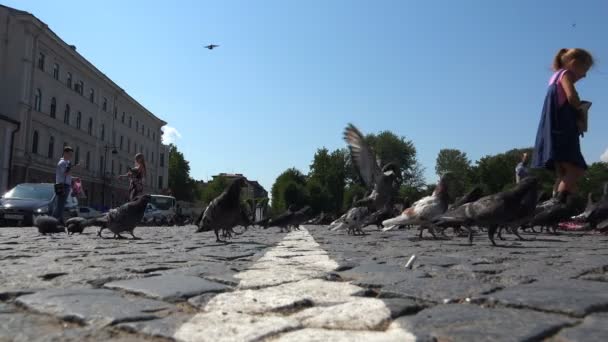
[69, 48]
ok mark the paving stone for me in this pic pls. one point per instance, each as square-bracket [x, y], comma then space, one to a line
[92, 306]
[569, 296]
[165, 327]
[358, 314]
[221, 326]
[321, 335]
[284, 297]
[168, 287]
[466, 322]
[593, 328]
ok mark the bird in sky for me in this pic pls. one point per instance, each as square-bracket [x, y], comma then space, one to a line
[211, 46]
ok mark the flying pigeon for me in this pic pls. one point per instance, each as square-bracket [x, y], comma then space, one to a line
[211, 46]
[424, 210]
[48, 225]
[224, 212]
[379, 180]
[491, 211]
[124, 218]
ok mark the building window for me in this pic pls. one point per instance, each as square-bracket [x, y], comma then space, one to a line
[78, 120]
[56, 71]
[41, 58]
[114, 138]
[88, 161]
[77, 155]
[136, 126]
[112, 166]
[160, 182]
[135, 147]
[121, 141]
[92, 95]
[129, 145]
[51, 147]
[152, 157]
[38, 100]
[120, 168]
[90, 126]
[115, 113]
[66, 115]
[162, 160]
[68, 81]
[142, 129]
[104, 106]
[122, 118]
[103, 132]
[80, 87]
[130, 121]
[35, 143]
[148, 133]
[101, 166]
[153, 136]
[53, 107]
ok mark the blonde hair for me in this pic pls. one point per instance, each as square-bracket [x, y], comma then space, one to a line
[565, 56]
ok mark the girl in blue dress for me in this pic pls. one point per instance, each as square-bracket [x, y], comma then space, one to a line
[557, 145]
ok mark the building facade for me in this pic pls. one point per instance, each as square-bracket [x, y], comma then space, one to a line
[51, 96]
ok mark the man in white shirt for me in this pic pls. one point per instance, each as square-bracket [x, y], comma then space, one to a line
[63, 176]
[521, 170]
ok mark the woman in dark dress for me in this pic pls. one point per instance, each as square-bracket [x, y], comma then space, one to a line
[557, 144]
[136, 177]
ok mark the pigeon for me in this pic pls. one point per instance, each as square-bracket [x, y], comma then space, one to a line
[48, 225]
[469, 197]
[376, 218]
[491, 211]
[353, 221]
[525, 213]
[224, 212]
[124, 218]
[211, 46]
[550, 213]
[424, 210]
[596, 214]
[76, 225]
[291, 218]
[379, 180]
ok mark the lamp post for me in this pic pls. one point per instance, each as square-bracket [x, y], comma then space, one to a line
[114, 151]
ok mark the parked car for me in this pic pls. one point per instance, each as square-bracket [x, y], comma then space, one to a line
[21, 204]
[88, 212]
[153, 216]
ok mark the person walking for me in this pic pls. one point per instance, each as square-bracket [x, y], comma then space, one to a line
[136, 177]
[63, 182]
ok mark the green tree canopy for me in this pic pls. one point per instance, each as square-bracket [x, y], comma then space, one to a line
[179, 175]
[282, 197]
[459, 164]
[326, 180]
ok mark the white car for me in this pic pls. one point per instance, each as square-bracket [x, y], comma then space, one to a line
[88, 212]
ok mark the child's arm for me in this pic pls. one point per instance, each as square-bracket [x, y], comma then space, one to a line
[571, 94]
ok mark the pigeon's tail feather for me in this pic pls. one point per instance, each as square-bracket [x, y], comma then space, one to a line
[397, 221]
[340, 226]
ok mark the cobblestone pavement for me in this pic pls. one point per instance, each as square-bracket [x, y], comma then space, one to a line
[307, 285]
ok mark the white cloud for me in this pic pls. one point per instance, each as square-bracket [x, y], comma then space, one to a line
[604, 156]
[170, 135]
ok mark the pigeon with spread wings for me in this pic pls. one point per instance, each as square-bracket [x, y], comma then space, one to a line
[379, 180]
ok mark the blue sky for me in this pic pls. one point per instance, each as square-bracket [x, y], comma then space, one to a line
[289, 75]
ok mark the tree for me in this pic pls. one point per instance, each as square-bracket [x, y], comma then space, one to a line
[179, 175]
[594, 180]
[296, 181]
[391, 148]
[459, 164]
[326, 180]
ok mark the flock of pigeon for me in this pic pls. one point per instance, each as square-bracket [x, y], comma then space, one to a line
[522, 207]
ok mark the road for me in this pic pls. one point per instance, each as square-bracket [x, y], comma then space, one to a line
[306, 285]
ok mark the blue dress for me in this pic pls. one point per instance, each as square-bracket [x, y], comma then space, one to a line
[557, 138]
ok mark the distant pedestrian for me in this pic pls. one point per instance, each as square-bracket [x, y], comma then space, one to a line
[63, 182]
[136, 177]
[557, 145]
[521, 170]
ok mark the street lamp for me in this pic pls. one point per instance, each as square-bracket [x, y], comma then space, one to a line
[114, 151]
